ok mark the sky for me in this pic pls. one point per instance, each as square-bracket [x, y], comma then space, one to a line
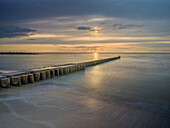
[85, 26]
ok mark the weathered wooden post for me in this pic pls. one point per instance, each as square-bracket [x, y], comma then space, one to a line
[15, 80]
[30, 78]
[61, 71]
[79, 67]
[82, 66]
[52, 73]
[48, 75]
[65, 70]
[74, 68]
[57, 73]
[37, 76]
[5, 82]
[69, 69]
[24, 79]
[43, 75]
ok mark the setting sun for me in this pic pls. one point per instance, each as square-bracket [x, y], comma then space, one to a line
[96, 30]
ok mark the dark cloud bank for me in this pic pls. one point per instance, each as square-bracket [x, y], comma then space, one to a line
[83, 28]
[16, 10]
[14, 31]
[122, 26]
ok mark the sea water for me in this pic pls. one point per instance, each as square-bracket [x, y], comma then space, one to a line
[133, 92]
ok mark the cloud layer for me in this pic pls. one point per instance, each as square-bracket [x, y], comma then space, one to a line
[11, 11]
[73, 22]
[121, 26]
[14, 31]
[83, 28]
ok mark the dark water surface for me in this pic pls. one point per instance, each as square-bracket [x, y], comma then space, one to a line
[133, 92]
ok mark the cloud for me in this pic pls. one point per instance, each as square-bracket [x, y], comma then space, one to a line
[14, 31]
[83, 28]
[87, 47]
[121, 26]
[79, 47]
[96, 30]
[17, 10]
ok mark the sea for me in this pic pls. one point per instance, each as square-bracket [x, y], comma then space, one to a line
[131, 92]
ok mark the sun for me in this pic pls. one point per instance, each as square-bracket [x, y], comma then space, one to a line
[96, 30]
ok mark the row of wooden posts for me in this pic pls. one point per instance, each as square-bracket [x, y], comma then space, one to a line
[34, 75]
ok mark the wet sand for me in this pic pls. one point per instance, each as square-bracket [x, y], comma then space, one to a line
[43, 105]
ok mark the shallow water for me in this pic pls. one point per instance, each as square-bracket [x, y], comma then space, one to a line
[133, 92]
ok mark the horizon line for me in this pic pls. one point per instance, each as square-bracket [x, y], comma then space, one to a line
[85, 52]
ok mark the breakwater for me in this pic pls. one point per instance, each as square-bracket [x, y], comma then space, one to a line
[18, 78]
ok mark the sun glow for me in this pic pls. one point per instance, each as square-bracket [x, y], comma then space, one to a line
[95, 56]
[96, 30]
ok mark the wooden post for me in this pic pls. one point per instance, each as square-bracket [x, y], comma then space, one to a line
[5, 82]
[76, 67]
[61, 71]
[79, 67]
[24, 79]
[37, 76]
[65, 70]
[57, 73]
[52, 73]
[48, 75]
[30, 78]
[69, 70]
[43, 75]
[16, 80]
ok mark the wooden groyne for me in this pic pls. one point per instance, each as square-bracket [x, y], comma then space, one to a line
[33, 75]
